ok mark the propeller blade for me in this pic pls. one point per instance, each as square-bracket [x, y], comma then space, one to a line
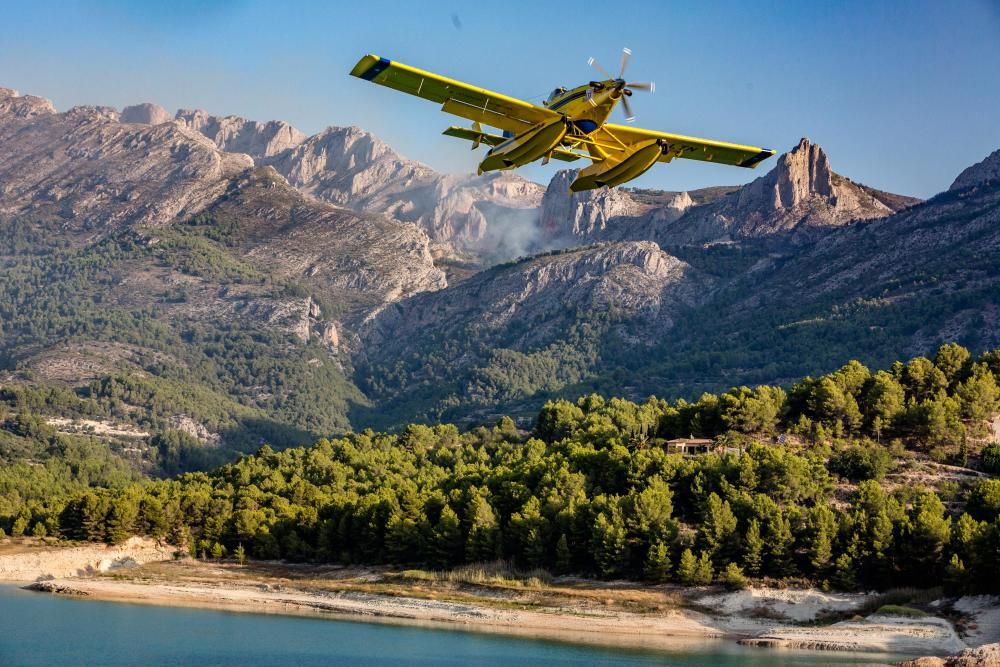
[596, 65]
[626, 53]
[627, 106]
[642, 85]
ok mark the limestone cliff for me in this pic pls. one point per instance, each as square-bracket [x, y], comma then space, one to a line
[238, 135]
[799, 197]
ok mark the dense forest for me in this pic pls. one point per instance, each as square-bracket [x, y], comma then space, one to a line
[803, 486]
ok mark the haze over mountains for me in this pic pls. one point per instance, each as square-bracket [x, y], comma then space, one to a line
[305, 285]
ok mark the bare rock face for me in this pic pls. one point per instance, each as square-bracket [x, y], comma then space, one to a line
[364, 261]
[983, 172]
[588, 214]
[568, 218]
[238, 135]
[353, 168]
[635, 279]
[987, 655]
[95, 174]
[801, 194]
[23, 106]
[145, 114]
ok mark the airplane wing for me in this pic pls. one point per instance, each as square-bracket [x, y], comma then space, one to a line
[461, 99]
[693, 148]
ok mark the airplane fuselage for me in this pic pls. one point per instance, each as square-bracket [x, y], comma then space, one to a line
[588, 112]
[582, 113]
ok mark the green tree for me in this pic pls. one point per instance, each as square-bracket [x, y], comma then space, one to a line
[609, 542]
[718, 529]
[657, 565]
[732, 577]
[483, 531]
[564, 557]
[753, 549]
[448, 539]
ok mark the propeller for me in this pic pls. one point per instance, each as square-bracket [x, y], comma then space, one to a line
[599, 92]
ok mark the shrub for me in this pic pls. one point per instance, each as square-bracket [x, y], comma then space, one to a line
[991, 458]
[733, 578]
[860, 462]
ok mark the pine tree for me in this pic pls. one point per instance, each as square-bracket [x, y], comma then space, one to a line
[687, 569]
[609, 542]
[657, 565]
[448, 542]
[241, 554]
[718, 529]
[955, 575]
[483, 531]
[733, 578]
[779, 546]
[564, 558]
[753, 549]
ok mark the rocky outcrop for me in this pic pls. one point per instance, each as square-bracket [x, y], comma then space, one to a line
[987, 655]
[145, 114]
[493, 215]
[799, 197]
[55, 562]
[13, 105]
[615, 214]
[92, 173]
[238, 135]
[987, 171]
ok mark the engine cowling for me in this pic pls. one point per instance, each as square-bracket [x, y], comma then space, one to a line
[615, 173]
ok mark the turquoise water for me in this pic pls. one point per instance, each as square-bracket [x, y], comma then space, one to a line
[42, 629]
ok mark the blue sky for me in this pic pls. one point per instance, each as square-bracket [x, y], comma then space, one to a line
[902, 95]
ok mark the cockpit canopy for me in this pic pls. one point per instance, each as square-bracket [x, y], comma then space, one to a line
[553, 95]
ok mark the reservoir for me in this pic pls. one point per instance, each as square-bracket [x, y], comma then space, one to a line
[43, 629]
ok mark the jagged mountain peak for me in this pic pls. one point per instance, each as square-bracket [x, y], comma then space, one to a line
[982, 172]
[800, 196]
[800, 173]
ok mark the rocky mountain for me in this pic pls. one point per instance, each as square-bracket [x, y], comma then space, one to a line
[799, 198]
[91, 173]
[981, 173]
[530, 326]
[268, 285]
[238, 135]
[491, 216]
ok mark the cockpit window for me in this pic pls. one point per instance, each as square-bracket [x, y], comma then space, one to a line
[554, 94]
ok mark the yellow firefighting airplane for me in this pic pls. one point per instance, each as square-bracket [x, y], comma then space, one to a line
[567, 123]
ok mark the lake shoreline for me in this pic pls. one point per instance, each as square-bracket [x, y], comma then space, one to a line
[579, 611]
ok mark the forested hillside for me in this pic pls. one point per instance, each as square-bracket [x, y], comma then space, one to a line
[851, 479]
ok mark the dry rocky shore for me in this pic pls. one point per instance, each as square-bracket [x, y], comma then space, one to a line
[609, 613]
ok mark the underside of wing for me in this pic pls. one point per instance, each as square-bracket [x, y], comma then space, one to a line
[478, 137]
[693, 148]
[461, 99]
